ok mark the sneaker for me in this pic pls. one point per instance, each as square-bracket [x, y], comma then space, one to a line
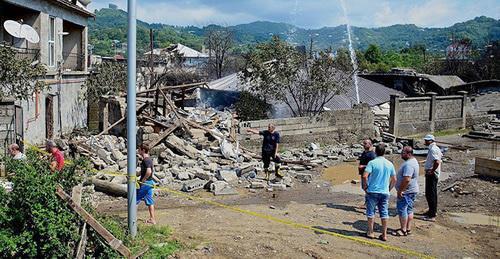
[431, 219]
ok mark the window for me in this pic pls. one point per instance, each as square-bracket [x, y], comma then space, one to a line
[52, 45]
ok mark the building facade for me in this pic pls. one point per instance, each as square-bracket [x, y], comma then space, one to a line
[62, 28]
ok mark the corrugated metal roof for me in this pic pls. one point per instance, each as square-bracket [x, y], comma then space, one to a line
[370, 92]
[185, 51]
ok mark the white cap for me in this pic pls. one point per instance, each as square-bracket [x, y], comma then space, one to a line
[429, 137]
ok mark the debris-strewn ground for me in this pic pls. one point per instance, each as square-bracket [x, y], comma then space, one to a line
[217, 232]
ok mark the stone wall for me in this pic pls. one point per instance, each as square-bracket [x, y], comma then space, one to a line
[328, 128]
[7, 125]
[409, 116]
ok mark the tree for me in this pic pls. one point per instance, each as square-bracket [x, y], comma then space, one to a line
[277, 72]
[219, 41]
[108, 78]
[19, 77]
[373, 54]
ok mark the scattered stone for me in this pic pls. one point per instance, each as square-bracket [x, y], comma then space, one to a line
[304, 178]
[354, 181]
[257, 185]
[193, 185]
[278, 186]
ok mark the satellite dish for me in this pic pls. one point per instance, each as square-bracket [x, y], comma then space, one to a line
[13, 28]
[29, 33]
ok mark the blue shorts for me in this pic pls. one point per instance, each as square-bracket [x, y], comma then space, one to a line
[146, 193]
[405, 204]
[377, 200]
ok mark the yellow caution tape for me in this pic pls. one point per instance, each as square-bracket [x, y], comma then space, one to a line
[263, 216]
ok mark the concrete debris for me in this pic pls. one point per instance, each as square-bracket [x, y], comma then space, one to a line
[194, 184]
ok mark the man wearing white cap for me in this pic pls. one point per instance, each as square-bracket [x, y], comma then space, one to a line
[432, 168]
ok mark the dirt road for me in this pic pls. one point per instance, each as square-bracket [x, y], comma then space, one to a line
[211, 231]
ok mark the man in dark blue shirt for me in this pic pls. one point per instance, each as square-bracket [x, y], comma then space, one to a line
[270, 145]
[367, 156]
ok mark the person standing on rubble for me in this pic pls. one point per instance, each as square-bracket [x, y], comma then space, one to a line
[365, 157]
[146, 182]
[432, 168]
[57, 162]
[378, 180]
[270, 145]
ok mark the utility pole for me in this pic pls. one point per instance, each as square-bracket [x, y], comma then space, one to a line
[131, 118]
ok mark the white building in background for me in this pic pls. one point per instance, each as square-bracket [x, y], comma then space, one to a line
[190, 58]
[62, 28]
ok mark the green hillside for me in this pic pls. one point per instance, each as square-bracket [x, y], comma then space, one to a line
[110, 24]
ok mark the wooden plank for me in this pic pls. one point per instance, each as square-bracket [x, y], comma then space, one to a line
[113, 242]
[80, 250]
[162, 136]
[173, 108]
[487, 167]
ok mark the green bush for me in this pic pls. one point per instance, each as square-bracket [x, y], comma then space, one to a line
[34, 221]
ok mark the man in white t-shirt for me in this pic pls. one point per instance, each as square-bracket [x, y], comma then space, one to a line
[432, 168]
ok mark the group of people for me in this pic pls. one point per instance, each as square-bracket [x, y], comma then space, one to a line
[379, 177]
[56, 156]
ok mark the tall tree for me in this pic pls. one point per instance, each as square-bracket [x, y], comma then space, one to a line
[278, 72]
[219, 41]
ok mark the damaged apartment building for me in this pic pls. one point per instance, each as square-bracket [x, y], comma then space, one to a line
[61, 26]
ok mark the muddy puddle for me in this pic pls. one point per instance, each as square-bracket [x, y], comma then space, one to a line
[347, 171]
[475, 219]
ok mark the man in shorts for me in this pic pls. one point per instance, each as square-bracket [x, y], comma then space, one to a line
[407, 187]
[378, 179]
[146, 182]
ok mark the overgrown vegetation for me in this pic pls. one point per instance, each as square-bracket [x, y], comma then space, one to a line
[19, 78]
[251, 107]
[36, 223]
[108, 78]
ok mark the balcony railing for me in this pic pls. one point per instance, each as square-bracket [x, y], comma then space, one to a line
[23, 53]
[73, 61]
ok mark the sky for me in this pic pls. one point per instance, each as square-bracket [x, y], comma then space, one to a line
[310, 13]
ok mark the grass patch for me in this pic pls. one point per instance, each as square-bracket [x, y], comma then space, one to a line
[441, 133]
[157, 238]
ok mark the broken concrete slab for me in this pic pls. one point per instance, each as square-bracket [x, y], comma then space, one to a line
[181, 146]
[193, 185]
[227, 175]
[278, 186]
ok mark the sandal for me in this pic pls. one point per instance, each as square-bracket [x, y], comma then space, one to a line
[369, 237]
[382, 238]
[399, 233]
[408, 232]
[152, 222]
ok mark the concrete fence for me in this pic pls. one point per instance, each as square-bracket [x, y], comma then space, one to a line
[326, 128]
[416, 115]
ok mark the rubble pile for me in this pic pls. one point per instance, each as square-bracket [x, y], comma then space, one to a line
[200, 153]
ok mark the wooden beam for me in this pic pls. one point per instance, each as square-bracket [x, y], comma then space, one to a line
[113, 242]
[139, 110]
[174, 87]
[173, 108]
[163, 135]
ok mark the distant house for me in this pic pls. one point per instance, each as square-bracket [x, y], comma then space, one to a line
[186, 56]
[62, 29]
[413, 83]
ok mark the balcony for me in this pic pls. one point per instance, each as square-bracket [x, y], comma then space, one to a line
[73, 62]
